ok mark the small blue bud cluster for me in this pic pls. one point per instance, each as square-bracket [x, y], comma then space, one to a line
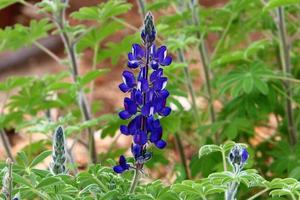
[148, 96]
[238, 157]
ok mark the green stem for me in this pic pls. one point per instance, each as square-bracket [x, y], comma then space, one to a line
[47, 51]
[205, 63]
[135, 181]
[6, 145]
[189, 84]
[182, 154]
[105, 189]
[10, 178]
[293, 196]
[258, 194]
[142, 8]
[82, 101]
[286, 68]
[224, 160]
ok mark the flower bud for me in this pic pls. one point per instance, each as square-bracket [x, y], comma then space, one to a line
[148, 32]
[238, 157]
[57, 166]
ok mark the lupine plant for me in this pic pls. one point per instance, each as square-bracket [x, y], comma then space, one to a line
[147, 101]
[234, 77]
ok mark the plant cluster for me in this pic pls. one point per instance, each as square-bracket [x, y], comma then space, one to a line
[249, 88]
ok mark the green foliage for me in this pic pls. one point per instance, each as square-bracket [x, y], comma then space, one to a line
[276, 3]
[13, 38]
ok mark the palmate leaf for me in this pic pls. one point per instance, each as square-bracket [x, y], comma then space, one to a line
[103, 11]
[245, 79]
[13, 38]
[115, 50]
[207, 149]
[97, 35]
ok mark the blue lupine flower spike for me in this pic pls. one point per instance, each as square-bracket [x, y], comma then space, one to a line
[146, 103]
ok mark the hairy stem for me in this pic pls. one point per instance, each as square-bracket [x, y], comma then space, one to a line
[224, 160]
[286, 68]
[182, 154]
[135, 181]
[258, 194]
[231, 192]
[9, 178]
[6, 145]
[82, 101]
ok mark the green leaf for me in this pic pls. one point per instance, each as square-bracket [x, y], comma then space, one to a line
[228, 58]
[103, 11]
[21, 180]
[97, 35]
[91, 75]
[255, 47]
[261, 86]
[276, 3]
[6, 3]
[207, 149]
[280, 192]
[248, 84]
[49, 181]
[40, 158]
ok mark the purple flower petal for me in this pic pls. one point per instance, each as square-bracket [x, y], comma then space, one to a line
[124, 114]
[122, 161]
[156, 135]
[167, 61]
[136, 150]
[161, 144]
[156, 74]
[140, 138]
[153, 50]
[134, 125]
[160, 83]
[118, 169]
[154, 64]
[245, 155]
[128, 79]
[148, 110]
[161, 53]
[142, 85]
[137, 51]
[124, 130]
[124, 88]
[133, 64]
[130, 106]
[165, 111]
[164, 94]
[130, 56]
